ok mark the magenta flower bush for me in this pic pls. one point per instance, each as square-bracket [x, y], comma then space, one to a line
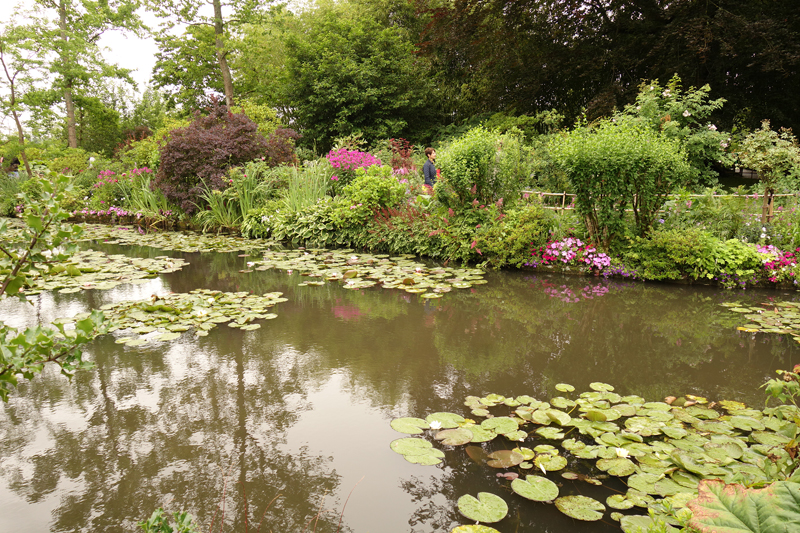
[345, 162]
[779, 266]
[570, 252]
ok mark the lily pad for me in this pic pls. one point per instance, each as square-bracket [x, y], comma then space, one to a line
[536, 488]
[409, 426]
[454, 437]
[485, 508]
[581, 508]
[474, 528]
[446, 420]
[500, 424]
[504, 459]
[619, 467]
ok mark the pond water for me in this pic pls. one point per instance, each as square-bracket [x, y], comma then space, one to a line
[289, 423]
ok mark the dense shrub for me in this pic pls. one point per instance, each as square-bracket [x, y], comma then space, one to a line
[280, 147]
[619, 165]
[345, 163]
[146, 152]
[692, 254]
[481, 165]
[196, 157]
[508, 241]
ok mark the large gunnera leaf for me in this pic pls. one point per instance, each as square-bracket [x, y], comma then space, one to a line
[721, 508]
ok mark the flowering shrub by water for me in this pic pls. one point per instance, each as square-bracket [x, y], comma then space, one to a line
[570, 252]
[345, 162]
[779, 265]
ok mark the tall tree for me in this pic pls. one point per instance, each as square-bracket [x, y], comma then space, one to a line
[530, 55]
[65, 35]
[192, 13]
[348, 73]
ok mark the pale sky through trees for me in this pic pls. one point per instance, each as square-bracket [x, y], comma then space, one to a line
[124, 48]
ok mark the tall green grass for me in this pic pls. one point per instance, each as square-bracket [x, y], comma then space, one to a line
[307, 186]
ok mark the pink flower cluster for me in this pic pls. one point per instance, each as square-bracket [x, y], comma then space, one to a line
[777, 262]
[105, 178]
[570, 251]
[351, 159]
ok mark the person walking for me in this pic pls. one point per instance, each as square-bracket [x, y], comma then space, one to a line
[429, 168]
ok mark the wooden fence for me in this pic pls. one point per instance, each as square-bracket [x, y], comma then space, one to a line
[564, 206]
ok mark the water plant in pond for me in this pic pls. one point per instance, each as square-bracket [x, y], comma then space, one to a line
[771, 317]
[357, 271]
[171, 240]
[651, 456]
[90, 269]
[167, 317]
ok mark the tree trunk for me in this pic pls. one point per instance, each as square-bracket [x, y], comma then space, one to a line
[72, 136]
[13, 104]
[766, 206]
[221, 54]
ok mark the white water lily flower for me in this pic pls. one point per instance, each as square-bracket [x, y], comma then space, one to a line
[622, 452]
[436, 425]
[250, 263]
[544, 471]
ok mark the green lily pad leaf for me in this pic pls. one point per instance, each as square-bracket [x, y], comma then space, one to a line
[595, 416]
[433, 457]
[703, 412]
[551, 463]
[168, 336]
[250, 327]
[729, 405]
[639, 498]
[474, 528]
[504, 459]
[667, 487]
[637, 523]
[480, 434]
[411, 426]
[581, 508]
[559, 417]
[500, 424]
[540, 417]
[562, 403]
[645, 483]
[454, 437]
[619, 467]
[410, 446]
[550, 433]
[770, 439]
[517, 436]
[135, 342]
[619, 501]
[536, 488]
[447, 420]
[563, 387]
[485, 508]
[737, 509]
[601, 387]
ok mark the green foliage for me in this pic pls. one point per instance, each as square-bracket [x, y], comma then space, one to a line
[43, 235]
[146, 152]
[227, 207]
[306, 185]
[692, 254]
[159, 523]
[46, 243]
[776, 157]
[543, 123]
[724, 217]
[348, 73]
[25, 353]
[10, 186]
[263, 115]
[481, 165]
[507, 242]
[685, 116]
[731, 508]
[617, 165]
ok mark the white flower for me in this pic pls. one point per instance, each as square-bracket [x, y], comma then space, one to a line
[665, 93]
[686, 113]
[91, 160]
[436, 424]
[544, 471]
[622, 452]
[712, 127]
[250, 263]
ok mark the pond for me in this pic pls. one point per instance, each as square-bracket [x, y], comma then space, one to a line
[289, 423]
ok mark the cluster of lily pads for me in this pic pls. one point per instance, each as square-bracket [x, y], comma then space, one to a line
[359, 271]
[164, 318]
[772, 317]
[171, 240]
[660, 450]
[90, 269]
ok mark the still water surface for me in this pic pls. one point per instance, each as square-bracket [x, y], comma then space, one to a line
[300, 409]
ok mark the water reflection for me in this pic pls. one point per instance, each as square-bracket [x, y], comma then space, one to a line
[302, 406]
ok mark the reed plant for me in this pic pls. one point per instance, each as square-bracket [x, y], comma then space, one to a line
[308, 185]
[248, 188]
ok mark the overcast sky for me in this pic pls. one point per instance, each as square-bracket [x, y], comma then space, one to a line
[126, 50]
